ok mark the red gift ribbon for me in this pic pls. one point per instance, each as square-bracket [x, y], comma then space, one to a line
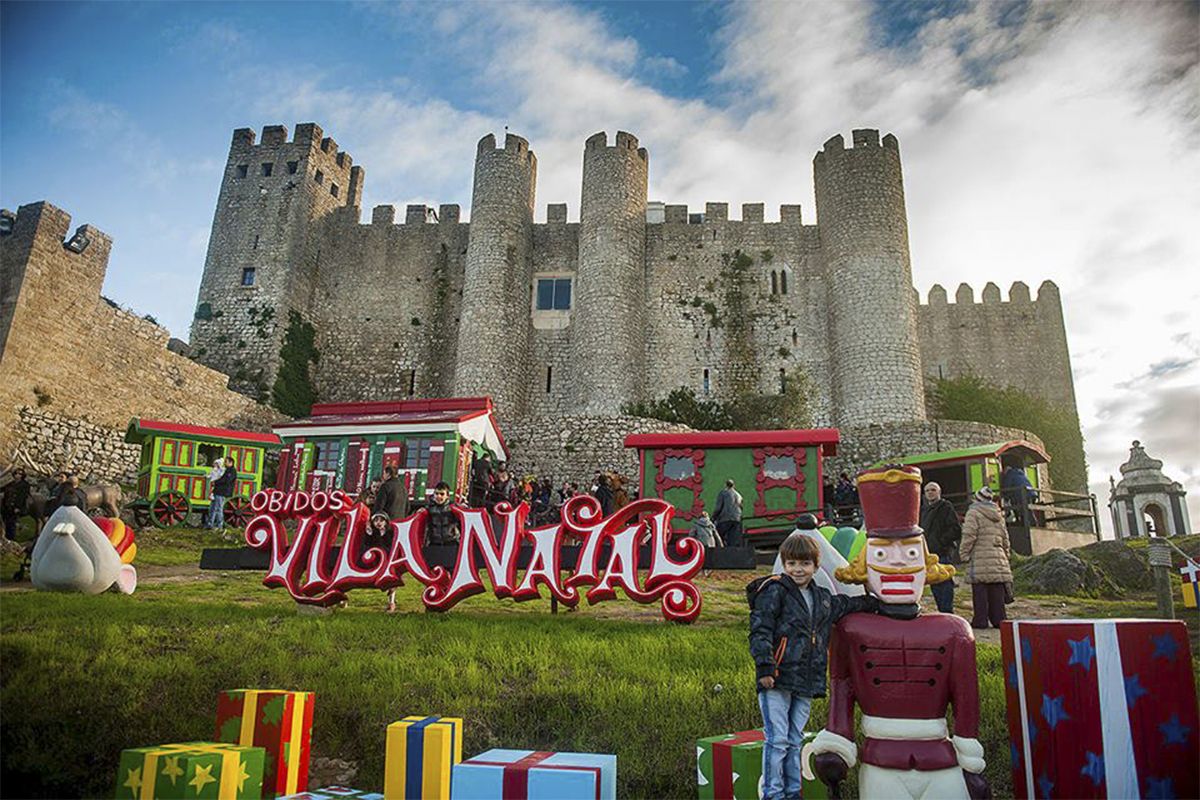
[723, 762]
[515, 783]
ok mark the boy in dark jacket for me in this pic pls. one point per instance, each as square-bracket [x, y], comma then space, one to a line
[442, 527]
[790, 622]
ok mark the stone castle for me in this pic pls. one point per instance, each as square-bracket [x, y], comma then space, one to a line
[563, 320]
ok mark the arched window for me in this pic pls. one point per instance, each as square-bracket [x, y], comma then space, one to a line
[774, 282]
[783, 281]
[707, 384]
[782, 380]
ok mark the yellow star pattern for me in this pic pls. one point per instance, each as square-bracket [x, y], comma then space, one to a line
[172, 769]
[134, 781]
[202, 778]
[243, 776]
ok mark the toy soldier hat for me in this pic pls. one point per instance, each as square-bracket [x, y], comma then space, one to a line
[891, 501]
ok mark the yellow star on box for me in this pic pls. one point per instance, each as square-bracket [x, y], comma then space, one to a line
[243, 776]
[134, 781]
[172, 769]
[202, 778]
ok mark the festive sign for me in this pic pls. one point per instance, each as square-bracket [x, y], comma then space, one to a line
[1100, 708]
[308, 566]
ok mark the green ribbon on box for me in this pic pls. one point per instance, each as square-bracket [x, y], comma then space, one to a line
[191, 770]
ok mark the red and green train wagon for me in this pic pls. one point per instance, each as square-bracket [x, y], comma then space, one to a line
[172, 480]
[778, 474]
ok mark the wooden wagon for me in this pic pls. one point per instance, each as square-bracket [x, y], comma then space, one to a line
[176, 459]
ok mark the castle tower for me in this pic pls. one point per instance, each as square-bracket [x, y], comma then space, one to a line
[874, 347]
[263, 252]
[494, 327]
[609, 303]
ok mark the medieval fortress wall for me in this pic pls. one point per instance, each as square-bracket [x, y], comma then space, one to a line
[74, 368]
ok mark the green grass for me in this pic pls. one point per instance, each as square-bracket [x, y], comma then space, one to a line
[81, 678]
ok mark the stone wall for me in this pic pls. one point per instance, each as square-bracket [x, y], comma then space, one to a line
[74, 369]
[575, 447]
[1019, 342]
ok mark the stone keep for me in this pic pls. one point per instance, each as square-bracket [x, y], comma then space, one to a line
[661, 296]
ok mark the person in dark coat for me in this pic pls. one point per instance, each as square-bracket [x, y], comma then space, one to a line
[605, 496]
[943, 532]
[222, 490]
[392, 498]
[15, 503]
[728, 515]
[481, 481]
[442, 527]
[791, 619]
[72, 495]
[61, 484]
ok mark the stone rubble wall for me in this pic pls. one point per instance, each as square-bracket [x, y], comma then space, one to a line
[573, 448]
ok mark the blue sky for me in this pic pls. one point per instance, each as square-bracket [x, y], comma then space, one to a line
[1049, 140]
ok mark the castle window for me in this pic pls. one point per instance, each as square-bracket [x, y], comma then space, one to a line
[267, 169]
[293, 166]
[247, 276]
[783, 281]
[774, 282]
[547, 380]
[707, 385]
[333, 189]
[255, 242]
[243, 170]
[782, 380]
[319, 177]
[412, 382]
[795, 338]
[553, 294]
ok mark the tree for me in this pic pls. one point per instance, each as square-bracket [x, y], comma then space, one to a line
[294, 392]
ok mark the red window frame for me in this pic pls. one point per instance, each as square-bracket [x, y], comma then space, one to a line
[695, 483]
[799, 457]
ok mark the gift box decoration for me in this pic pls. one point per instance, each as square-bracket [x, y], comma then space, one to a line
[334, 793]
[420, 754]
[1100, 708]
[729, 767]
[535, 775]
[204, 770]
[278, 721]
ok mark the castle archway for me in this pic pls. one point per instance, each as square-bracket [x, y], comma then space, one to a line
[1155, 519]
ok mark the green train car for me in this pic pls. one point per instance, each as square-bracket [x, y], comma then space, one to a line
[963, 472]
[778, 474]
[347, 445]
[172, 477]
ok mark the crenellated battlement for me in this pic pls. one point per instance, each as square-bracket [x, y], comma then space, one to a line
[284, 155]
[624, 141]
[862, 138]
[517, 146]
[718, 213]
[1018, 294]
[416, 214]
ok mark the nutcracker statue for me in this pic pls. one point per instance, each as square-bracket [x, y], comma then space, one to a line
[902, 667]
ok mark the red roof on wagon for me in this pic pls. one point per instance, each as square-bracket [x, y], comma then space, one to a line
[141, 429]
[825, 438]
[451, 409]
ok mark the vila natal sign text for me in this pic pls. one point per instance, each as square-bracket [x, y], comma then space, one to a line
[308, 567]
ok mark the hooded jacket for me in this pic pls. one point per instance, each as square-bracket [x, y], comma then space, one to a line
[985, 549]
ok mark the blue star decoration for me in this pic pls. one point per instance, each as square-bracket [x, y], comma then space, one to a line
[1045, 784]
[1053, 711]
[1173, 732]
[1082, 652]
[1026, 651]
[1160, 789]
[1014, 753]
[1165, 647]
[1134, 690]
[1033, 731]
[1094, 768]
[1012, 675]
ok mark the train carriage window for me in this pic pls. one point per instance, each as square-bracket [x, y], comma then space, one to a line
[325, 457]
[208, 454]
[417, 453]
[678, 468]
[779, 468]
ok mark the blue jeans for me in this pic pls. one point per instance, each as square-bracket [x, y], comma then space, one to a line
[215, 518]
[784, 716]
[943, 595]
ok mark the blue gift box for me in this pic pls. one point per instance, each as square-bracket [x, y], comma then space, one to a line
[535, 775]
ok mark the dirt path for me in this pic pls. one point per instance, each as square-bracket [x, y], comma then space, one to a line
[148, 575]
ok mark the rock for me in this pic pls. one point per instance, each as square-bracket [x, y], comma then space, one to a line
[331, 772]
[1060, 572]
[1126, 568]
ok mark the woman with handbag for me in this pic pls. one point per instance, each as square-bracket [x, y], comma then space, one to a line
[985, 552]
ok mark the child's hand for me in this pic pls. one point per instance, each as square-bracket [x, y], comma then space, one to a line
[767, 682]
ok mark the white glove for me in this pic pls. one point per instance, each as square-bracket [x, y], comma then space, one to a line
[829, 742]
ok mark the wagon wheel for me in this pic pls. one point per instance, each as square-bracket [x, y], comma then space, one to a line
[237, 512]
[168, 509]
